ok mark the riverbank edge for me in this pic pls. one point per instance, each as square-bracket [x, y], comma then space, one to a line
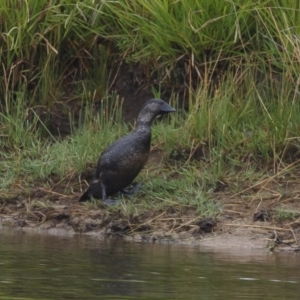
[224, 236]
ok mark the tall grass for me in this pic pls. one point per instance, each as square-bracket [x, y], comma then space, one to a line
[46, 45]
[26, 157]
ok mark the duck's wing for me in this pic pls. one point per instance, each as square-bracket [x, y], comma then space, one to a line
[128, 152]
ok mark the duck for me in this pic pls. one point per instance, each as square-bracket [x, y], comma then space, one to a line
[121, 162]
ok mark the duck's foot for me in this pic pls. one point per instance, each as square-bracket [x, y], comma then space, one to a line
[110, 202]
[130, 191]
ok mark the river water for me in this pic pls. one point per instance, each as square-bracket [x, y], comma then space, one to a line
[36, 266]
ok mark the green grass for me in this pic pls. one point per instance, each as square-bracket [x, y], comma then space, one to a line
[46, 47]
[25, 154]
[282, 214]
[177, 187]
[234, 64]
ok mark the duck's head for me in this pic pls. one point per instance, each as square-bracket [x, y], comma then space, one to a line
[152, 109]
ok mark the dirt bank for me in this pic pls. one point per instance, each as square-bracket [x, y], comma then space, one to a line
[242, 223]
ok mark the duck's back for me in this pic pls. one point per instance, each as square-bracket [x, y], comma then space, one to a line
[122, 161]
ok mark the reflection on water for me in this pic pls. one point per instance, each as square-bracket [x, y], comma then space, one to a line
[51, 267]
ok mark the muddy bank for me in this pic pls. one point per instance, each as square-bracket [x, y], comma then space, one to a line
[73, 219]
[241, 224]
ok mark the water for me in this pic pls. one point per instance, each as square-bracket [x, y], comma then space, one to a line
[51, 267]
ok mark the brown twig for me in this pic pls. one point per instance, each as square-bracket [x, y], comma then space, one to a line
[257, 226]
[293, 234]
[267, 180]
[54, 193]
[187, 223]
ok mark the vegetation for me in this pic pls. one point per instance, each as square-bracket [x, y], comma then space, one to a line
[235, 65]
[284, 214]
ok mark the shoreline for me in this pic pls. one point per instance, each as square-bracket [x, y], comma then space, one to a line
[238, 235]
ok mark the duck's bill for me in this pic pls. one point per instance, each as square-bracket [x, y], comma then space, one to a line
[166, 108]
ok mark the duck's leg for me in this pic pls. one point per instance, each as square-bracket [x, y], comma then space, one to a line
[105, 200]
[130, 191]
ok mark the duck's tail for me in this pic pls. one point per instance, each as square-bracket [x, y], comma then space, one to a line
[94, 190]
[85, 196]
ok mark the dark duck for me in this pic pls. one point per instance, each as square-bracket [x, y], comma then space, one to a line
[123, 160]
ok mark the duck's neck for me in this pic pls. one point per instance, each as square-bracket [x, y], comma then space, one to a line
[145, 120]
[143, 127]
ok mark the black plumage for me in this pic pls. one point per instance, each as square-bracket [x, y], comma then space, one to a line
[123, 160]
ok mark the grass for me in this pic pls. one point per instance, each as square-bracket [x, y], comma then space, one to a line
[237, 146]
[54, 45]
[179, 188]
[283, 214]
[218, 123]
[230, 68]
